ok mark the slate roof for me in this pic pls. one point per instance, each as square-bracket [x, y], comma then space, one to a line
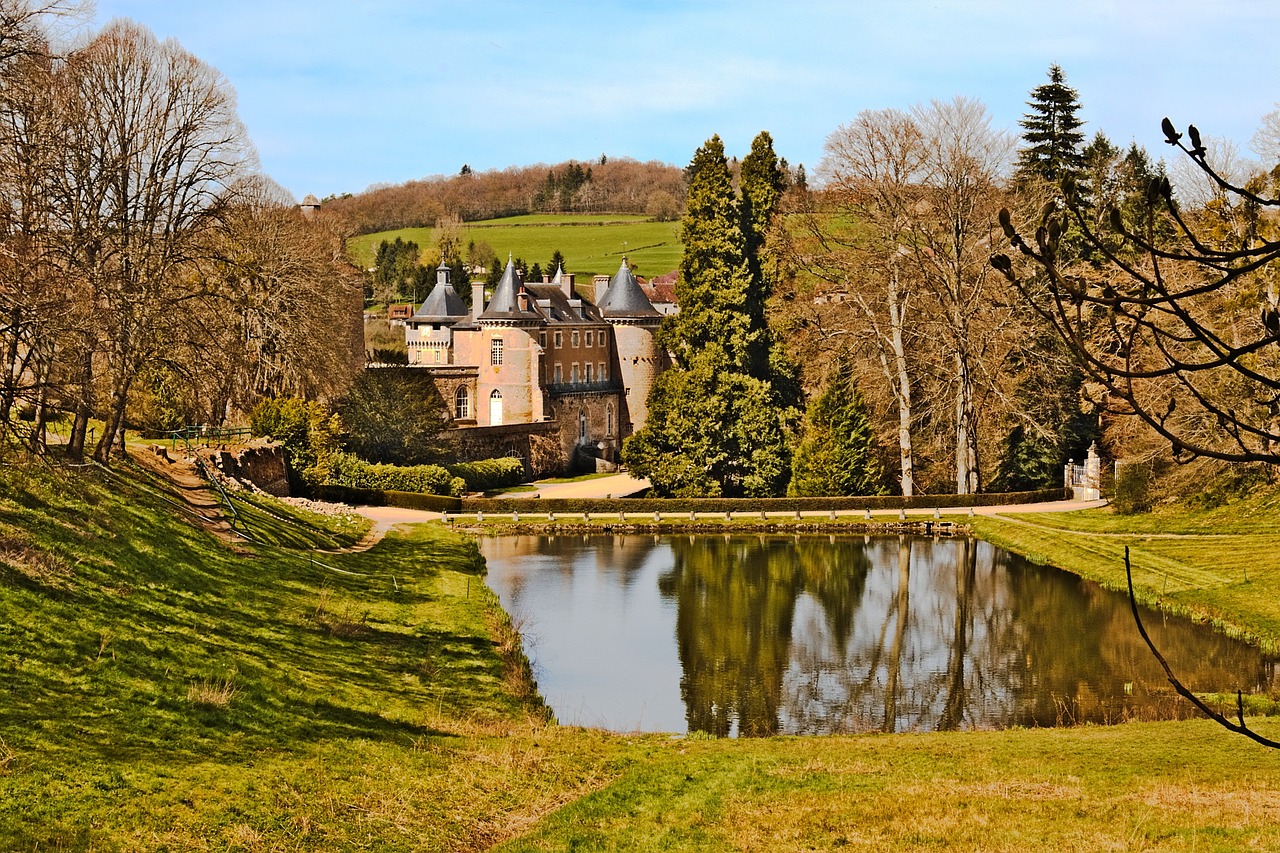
[624, 298]
[441, 306]
[504, 304]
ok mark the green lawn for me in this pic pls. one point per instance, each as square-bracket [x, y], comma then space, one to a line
[165, 690]
[590, 244]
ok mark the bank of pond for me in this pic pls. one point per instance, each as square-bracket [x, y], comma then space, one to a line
[763, 634]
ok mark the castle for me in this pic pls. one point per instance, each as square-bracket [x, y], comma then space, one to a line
[540, 372]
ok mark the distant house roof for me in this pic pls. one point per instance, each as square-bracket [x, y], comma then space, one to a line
[624, 298]
[310, 201]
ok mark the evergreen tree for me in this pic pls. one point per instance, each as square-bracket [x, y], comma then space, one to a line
[715, 424]
[714, 282]
[393, 415]
[556, 262]
[1051, 132]
[838, 455]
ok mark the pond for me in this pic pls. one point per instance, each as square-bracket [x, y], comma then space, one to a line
[757, 635]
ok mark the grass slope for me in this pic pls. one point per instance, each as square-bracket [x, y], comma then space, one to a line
[1219, 565]
[590, 244]
[165, 690]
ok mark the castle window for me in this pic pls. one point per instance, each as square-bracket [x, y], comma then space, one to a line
[588, 369]
[573, 373]
[559, 339]
[542, 339]
[603, 376]
[582, 425]
[591, 337]
[437, 355]
[559, 373]
[462, 404]
[608, 421]
[604, 341]
[495, 351]
[575, 337]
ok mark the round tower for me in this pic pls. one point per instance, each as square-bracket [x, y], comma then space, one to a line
[637, 357]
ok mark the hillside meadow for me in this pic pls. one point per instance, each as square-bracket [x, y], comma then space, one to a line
[591, 244]
[170, 688]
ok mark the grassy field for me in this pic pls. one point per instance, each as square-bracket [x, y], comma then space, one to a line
[590, 244]
[168, 690]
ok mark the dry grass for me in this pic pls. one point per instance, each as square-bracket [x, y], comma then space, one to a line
[36, 565]
[341, 624]
[212, 693]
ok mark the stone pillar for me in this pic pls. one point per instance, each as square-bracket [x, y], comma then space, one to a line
[1093, 474]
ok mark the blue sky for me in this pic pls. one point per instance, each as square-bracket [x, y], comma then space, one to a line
[341, 95]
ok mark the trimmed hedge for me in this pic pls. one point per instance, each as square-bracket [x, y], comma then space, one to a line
[489, 474]
[508, 505]
[376, 497]
[353, 472]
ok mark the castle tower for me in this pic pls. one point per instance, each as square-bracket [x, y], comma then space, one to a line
[508, 354]
[428, 333]
[309, 206]
[638, 357]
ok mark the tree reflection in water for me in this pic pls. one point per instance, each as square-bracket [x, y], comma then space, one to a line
[817, 634]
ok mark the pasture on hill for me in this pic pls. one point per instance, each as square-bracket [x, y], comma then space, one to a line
[591, 244]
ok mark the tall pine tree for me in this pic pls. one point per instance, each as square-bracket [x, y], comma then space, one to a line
[715, 424]
[1051, 132]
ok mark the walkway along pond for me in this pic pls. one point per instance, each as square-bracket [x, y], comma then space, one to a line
[758, 635]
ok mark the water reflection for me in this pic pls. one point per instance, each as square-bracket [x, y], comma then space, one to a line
[760, 635]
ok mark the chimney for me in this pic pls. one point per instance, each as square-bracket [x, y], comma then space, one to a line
[477, 299]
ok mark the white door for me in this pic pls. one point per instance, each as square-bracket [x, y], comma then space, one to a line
[495, 408]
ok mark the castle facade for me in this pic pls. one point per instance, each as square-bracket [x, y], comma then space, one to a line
[540, 371]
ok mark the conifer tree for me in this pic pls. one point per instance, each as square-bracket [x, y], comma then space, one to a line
[715, 425]
[838, 455]
[1051, 132]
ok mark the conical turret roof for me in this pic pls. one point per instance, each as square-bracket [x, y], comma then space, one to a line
[624, 298]
[442, 305]
[504, 305]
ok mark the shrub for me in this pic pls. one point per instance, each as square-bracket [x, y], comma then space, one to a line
[489, 474]
[307, 431]
[353, 472]
[1133, 489]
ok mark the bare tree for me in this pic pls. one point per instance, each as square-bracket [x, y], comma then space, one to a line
[910, 224]
[35, 294]
[871, 168]
[953, 232]
[280, 322]
[1178, 321]
[154, 141]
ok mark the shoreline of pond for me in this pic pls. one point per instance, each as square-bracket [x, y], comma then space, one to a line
[507, 527]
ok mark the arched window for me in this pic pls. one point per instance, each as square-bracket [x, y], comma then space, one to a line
[495, 408]
[462, 404]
